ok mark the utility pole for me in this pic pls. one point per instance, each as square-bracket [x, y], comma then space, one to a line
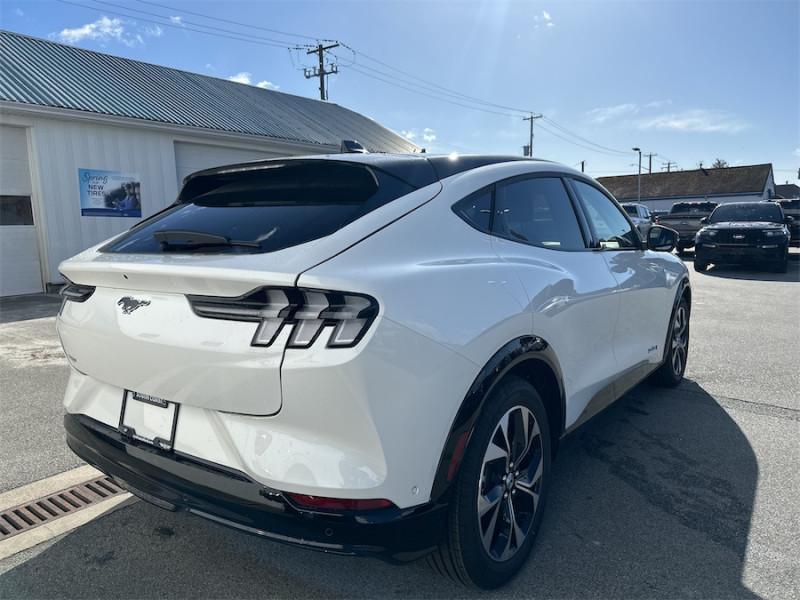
[668, 166]
[529, 148]
[639, 181]
[320, 70]
[583, 166]
[650, 162]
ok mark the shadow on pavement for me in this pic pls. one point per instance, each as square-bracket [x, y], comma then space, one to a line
[24, 308]
[651, 499]
[749, 272]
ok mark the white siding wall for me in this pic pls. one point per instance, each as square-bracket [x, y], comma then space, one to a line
[62, 146]
[195, 157]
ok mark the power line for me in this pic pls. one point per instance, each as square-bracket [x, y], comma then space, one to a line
[435, 85]
[231, 21]
[416, 91]
[280, 43]
[181, 27]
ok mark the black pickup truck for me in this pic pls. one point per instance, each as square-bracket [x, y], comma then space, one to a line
[744, 232]
[684, 217]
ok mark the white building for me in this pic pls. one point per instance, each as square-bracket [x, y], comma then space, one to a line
[90, 143]
[659, 191]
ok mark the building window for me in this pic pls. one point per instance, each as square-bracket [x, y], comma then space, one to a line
[16, 210]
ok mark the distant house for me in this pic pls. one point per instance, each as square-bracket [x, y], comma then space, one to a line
[787, 190]
[659, 191]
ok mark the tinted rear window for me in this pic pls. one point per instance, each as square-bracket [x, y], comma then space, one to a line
[264, 210]
[693, 207]
[631, 210]
[758, 211]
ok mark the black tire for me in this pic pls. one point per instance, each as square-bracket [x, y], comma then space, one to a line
[667, 375]
[699, 266]
[783, 265]
[461, 555]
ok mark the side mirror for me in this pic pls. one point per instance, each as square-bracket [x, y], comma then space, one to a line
[788, 220]
[662, 239]
[704, 221]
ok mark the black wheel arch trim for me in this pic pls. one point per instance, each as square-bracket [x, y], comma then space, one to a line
[683, 286]
[513, 353]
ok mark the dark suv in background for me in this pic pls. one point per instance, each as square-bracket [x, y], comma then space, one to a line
[744, 232]
[791, 208]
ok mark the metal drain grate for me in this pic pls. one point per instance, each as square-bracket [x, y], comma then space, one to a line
[25, 517]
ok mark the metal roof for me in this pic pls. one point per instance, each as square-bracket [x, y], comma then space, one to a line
[725, 181]
[44, 73]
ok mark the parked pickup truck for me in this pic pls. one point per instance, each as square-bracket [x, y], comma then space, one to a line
[684, 217]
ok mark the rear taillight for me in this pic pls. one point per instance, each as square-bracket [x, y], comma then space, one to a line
[304, 501]
[308, 312]
[76, 292]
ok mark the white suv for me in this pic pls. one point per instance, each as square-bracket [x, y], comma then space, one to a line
[367, 354]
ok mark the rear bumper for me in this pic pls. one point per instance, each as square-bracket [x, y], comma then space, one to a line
[178, 482]
[739, 254]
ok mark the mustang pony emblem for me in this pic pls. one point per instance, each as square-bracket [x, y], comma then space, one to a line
[130, 304]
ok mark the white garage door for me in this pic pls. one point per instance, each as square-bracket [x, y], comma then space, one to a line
[20, 272]
[195, 157]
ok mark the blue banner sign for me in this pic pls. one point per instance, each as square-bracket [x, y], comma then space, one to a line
[109, 194]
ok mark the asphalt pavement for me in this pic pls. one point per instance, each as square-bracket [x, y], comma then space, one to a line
[681, 493]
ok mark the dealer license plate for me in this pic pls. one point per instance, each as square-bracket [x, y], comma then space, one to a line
[149, 419]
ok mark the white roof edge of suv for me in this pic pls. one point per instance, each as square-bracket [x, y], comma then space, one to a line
[367, 354]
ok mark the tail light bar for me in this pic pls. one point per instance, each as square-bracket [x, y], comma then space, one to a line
[307, 311]
[76, 292]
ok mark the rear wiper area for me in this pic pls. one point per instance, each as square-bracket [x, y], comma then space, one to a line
[174, 239]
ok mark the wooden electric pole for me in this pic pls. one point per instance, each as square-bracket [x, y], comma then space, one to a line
[529, 147]
[320, 71]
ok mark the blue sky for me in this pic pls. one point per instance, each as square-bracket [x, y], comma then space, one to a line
[690, 81]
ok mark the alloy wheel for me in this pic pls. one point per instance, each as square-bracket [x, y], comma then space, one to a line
[680, 340]
[510, 483]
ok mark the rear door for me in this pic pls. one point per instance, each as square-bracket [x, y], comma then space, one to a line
[570, 289]
[147, 326]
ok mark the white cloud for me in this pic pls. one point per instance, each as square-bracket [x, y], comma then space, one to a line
[545, 19]
[18, 12]
[243, 77]
[153, 31]
[797, 151]
[606, 113]
[658, 103]
[103, 29]
[176, 20]
[696, 120]
[247, 78]
[409, 135]
[428, 134]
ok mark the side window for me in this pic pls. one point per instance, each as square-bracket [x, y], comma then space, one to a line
[537, 211]
[16, 210]
[476, 209]
[610, 226]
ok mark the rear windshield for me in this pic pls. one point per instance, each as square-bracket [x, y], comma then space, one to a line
[264, 210]
[631, 210]
[758, 211]
[693, 208]
[790, 204]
